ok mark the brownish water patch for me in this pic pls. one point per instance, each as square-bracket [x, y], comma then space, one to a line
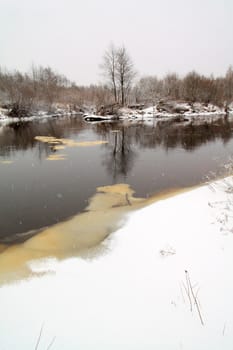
[56, 157]
[61, 143]
[78, 236]
[3, 247]
[6, 161]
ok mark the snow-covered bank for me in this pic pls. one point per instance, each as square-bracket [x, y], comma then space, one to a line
[181, 112]
[173, 110]
[170, 110]
[5, 119]
[137, 295]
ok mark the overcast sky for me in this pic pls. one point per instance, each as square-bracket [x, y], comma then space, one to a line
[161, 35]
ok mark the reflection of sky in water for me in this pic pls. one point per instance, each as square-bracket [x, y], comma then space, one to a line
[36, 192]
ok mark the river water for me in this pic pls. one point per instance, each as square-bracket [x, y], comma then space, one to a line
[45, 181]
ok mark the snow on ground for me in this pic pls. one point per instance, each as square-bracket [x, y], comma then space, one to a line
[164, 282]
[40, 115]
[179, 109]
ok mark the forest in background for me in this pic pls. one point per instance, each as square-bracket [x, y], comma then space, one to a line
[43, 89]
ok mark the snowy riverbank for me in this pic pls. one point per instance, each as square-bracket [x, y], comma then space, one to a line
[5, 119]
[163, 282]
[180, 112]
[175, 110]
[169, 111]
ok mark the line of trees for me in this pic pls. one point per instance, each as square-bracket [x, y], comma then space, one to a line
[23, 92]
[44, 89]
[192, 88]
[119, 72]
[41, 88]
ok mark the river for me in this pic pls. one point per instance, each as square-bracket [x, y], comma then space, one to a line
[46, 181]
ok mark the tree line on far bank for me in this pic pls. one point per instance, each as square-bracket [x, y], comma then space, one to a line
[41, 88]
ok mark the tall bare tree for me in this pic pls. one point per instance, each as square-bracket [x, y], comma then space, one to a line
[191, 86]
[119, 71]
[172, 86]
[109, 68]
[125, 73]
[228, 87]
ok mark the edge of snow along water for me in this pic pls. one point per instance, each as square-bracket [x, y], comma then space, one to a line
[162, 281]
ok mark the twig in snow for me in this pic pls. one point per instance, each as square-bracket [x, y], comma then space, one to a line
[51, 343]
[224, 328]
[188, 295]
[39, 338]
[194, 297]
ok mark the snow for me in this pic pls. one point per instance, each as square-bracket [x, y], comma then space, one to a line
[189, 113]
[180, 109]
[94, 117]
[136, 294]
[40, 115]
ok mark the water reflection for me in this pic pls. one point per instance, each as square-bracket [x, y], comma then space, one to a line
[120, 156]
[21, 135]
[150, 158]
[121, 135]
[169, 134]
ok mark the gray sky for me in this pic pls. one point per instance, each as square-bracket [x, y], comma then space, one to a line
[161, 35]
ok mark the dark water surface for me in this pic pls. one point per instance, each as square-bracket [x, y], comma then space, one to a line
[36, 192]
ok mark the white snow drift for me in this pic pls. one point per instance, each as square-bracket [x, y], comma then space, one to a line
[164, 282]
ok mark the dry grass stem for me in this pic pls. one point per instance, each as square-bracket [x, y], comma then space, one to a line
[39, 338]
[194, 296]
[188, 295]
[51, 343]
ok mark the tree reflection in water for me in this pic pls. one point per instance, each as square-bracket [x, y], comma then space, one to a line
[120, 156]
[20, 136]
[125, 138]
[149, 157]
[122, 136]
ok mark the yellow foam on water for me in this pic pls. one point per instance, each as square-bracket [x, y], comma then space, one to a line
[60, 144]
[6, 161]
[56, 157]
[2, 247]
[67, 142]
[74, 236]
[58, 148]
[80, 235]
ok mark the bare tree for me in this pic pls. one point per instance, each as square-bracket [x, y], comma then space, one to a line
[191, 84]
[44, 89]
[109, 68]
[119, 71]
[148, 89]
[228, 87]
[172, 86]
[125, 73]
